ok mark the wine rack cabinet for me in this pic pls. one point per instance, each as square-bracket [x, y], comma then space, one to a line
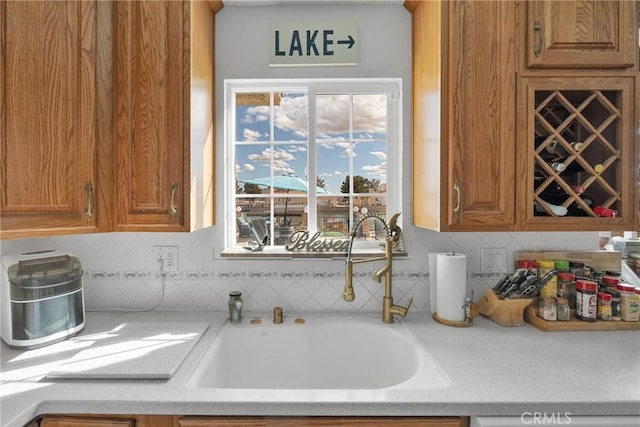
[576, 147]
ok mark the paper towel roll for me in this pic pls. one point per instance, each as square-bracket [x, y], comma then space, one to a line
[433, 283]
[451, 285]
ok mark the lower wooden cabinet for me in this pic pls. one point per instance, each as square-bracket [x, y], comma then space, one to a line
[195, 421]
[65, 421]
[108, 421]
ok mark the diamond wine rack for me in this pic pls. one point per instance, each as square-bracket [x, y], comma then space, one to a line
[578, 153]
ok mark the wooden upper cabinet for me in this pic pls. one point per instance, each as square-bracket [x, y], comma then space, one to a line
[48, 119]
[464, 84]
[96, 129]
[151, 65]
[580, 34]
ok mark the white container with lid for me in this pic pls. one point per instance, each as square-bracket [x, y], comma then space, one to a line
[42, 298]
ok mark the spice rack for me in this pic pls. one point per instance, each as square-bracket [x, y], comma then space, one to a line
[575, 324]
[600, 260]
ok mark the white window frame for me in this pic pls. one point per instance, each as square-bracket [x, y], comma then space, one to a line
[313, 87]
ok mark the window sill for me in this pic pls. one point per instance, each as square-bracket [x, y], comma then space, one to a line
[282, 253]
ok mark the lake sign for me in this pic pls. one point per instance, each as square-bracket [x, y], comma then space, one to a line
[313, 44]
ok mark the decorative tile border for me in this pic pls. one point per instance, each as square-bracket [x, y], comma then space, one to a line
[202, 275]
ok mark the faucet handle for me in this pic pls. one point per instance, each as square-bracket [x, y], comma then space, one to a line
[408, 306]
[402, 311]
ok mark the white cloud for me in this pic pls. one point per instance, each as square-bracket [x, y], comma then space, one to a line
[380, 169]
[282, 170]
[292, 115]
[256, 114]
[379, 154]
[369, 114]
[245, 168]
[280, 159]
[251, 135]
[297, 149]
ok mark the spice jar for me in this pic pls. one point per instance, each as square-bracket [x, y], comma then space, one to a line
[567, 287]
[586, 300]
[604, 306]
[597, 275]
[550, 289]
[528, 264]
[577, 268]
[610, 282]
[547, 309]
[562, 309]
[630, 306]
[615, 305]
[561, 265]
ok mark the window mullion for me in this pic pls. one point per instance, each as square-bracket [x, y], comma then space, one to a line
[352, 146]
[272, 197]
[312, 216]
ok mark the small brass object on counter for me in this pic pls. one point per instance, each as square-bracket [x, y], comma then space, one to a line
[277, 315]
[299, 320]
[256, 321]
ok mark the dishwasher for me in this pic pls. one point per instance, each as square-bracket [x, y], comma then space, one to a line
[556, 419]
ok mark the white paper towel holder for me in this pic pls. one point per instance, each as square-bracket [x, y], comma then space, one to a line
[471, 311]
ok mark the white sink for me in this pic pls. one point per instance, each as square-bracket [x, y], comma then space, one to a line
[322, 353]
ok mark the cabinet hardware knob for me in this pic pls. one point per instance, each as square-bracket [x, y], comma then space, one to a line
[89, 189]
[538, 28]
[173, 210]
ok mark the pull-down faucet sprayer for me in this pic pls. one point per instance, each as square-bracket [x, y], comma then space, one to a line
[393, 240]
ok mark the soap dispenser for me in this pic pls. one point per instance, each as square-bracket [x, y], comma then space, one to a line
[235, 307]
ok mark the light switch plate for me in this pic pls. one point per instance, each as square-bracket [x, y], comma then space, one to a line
[494, 260]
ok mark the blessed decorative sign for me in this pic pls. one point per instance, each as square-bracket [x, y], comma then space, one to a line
[301, 241]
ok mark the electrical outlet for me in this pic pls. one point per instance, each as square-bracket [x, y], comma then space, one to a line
[494, 260]
[166, 257]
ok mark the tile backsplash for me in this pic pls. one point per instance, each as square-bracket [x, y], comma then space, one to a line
[120, 271]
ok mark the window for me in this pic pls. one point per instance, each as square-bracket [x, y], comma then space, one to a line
[311, 155]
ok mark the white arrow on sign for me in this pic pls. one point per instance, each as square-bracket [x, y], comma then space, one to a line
[313, 44]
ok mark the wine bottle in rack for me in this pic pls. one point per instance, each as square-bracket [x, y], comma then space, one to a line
[561, 166]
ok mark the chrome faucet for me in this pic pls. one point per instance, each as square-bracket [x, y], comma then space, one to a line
[393, 240]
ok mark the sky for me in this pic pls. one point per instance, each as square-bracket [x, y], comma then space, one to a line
[289, 153]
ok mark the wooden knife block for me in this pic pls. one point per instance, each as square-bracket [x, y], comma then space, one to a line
[505, 312]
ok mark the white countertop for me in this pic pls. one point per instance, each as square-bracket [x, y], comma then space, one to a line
[494, 371]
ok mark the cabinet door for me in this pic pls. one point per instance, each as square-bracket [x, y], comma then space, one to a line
[152, 97]
[577, 155]
[581, 34]
[70, 421]
[48, 118]
[101, 420]
[464, 165]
